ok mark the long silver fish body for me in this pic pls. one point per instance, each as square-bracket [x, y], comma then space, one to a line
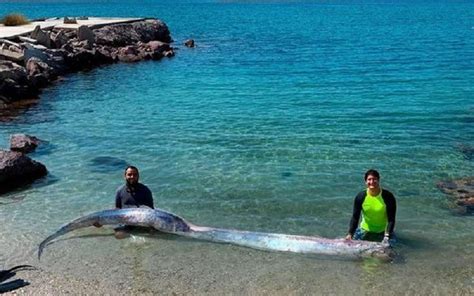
[171, 223]
[158, 219]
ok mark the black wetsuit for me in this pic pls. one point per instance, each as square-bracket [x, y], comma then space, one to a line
[390, 204]
[128, 196]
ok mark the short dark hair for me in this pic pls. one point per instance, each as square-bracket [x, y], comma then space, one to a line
[372, 172]
[131, 167]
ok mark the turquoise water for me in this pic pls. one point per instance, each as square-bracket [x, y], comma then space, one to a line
[268, 124]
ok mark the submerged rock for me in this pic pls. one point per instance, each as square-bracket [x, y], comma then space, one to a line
[189, 43]
[23, 143]
[467, 151]
[17, 169]
[461, 191]
[105, 164]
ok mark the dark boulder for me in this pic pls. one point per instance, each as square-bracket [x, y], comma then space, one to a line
[39, 73]
[157, 49]
[17, 169]
[23, 143]
[129, 54]
[116, 36]
[80, 59]
[461, 191]
[41, 36]
[59, 39]
[14, 83]
[54, 58]
[152, 29]
[85, 33]
[126, 34]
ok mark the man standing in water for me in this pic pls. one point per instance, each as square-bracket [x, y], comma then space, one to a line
[378, 207]
[131, 194]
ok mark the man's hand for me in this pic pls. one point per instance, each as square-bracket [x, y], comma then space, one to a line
[385, 240]
[348, 237]
[97, 224]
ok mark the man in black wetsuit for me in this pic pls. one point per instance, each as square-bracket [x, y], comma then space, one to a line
[131, 194]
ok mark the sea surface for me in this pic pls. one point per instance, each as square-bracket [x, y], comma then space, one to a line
[268, 124]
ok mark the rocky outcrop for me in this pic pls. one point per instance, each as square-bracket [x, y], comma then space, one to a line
[17, 169]
[23, 143]
[49, 54]
[461, 192]
[127, 34]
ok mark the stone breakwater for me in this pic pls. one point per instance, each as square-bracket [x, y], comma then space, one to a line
[30, 63]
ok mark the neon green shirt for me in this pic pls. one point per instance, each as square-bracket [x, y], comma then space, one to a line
[374, 213]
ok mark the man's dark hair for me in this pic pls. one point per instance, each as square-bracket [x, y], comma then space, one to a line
[131, 167]
[373, 173]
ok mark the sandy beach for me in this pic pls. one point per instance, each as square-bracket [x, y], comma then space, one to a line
[162, 264]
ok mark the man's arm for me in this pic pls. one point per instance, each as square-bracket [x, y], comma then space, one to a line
[149, 197]
[391, 205]
[358, 200]
[118, 198]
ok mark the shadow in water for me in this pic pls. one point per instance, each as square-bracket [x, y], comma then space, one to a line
[13, 284]
[17, 194]
[11, 198]
[15, 110]
[106, 164]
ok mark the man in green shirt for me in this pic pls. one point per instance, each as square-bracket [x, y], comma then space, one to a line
[378, 207]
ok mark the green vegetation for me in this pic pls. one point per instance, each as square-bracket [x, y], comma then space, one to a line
[14, 19]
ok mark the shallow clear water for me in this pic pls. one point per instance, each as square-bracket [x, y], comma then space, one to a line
[268, 124]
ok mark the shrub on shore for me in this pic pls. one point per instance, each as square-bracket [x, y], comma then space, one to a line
[14, 19]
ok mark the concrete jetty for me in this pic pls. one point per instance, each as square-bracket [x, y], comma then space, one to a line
[11, 32]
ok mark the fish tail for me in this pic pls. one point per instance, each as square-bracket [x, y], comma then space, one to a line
[46, 241]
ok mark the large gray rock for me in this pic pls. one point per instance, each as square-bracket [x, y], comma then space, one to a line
[41, 37]
[54, 58]
[35, 51]
[85, 33]
[11, 70]
[23, 143]
[39, 73]
[59, 39]
[17, 169]
[14, 83]
[461, 191]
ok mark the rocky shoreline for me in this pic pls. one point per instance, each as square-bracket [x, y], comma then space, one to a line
[30, 63]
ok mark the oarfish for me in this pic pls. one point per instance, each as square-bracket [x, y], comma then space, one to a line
[171, 223]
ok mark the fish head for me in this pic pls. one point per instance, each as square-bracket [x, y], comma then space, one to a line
[384, 253]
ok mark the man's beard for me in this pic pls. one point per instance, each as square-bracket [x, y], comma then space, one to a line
[131, 186]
